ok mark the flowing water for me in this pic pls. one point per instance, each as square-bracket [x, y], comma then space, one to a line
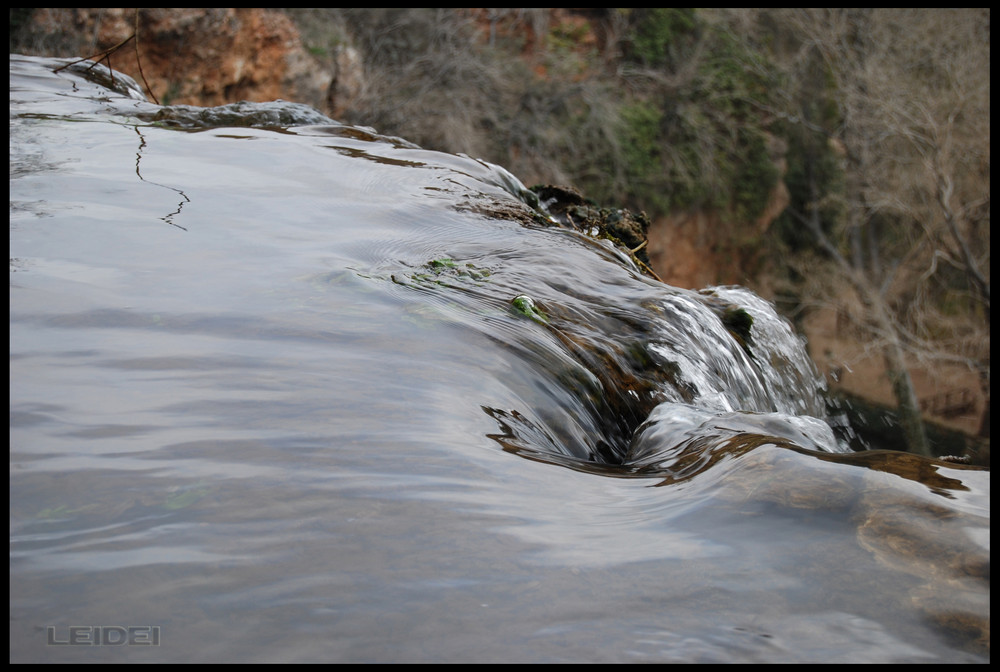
[288, 390]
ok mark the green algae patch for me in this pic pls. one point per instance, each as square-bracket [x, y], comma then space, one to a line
[524, 305]
[445, 272]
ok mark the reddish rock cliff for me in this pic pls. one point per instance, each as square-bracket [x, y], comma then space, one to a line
[196, 56]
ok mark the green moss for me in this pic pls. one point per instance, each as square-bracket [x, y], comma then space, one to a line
[738, 322]
[525, 305]
[441, 264]
[443, 272]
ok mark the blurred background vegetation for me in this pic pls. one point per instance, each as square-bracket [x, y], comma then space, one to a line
[649, 108]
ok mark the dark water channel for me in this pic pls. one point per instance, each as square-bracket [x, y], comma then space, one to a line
[272, 399]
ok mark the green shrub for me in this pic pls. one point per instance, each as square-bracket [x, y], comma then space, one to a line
[658, 35]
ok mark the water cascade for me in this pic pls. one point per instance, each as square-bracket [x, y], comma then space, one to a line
[273, 380]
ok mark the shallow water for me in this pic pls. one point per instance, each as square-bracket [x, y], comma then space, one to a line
[271, 401]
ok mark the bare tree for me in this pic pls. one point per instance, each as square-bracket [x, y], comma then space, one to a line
[911, 92]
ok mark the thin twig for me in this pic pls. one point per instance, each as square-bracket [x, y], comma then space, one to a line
[105, 54]
[647, 269]
[138, 61]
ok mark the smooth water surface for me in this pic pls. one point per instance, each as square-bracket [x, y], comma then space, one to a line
[272, 400]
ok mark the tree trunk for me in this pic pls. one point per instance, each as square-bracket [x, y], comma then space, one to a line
[907, 406]
[883, 327]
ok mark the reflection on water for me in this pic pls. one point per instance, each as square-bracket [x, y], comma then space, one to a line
[271, 392]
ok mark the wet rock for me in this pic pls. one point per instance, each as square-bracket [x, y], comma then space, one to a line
[568, 207]
[278, 114]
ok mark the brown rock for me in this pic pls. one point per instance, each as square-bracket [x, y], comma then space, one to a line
[698, 248]
[348, 82]
[682, 250]
[195, 56]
